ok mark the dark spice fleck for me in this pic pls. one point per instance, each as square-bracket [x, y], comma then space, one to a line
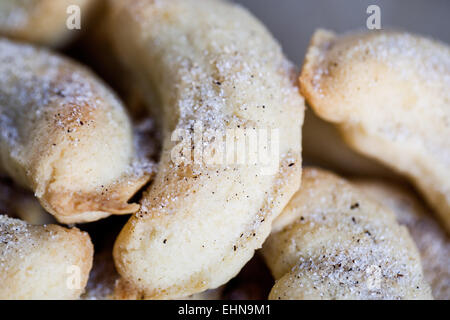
[354, 206]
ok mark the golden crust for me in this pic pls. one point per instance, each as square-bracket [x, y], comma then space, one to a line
[41, 21]
[208, 62]
[388, 93]
[65, 136]
[430, 238]
[334, 242]
[90, 206]
[124, 290]
[43, 262]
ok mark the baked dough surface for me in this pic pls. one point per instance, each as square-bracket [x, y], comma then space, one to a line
[42, 262]
[66, 136]
[207, 62]
[389, 94]
[332, 241]
[429, 236]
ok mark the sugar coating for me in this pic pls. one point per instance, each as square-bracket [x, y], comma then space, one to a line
[36, 262]
[405, 53]
[10, 232]
[334, 242]
[429, 236]
[59, 127]
[388, 93]
[207, 62]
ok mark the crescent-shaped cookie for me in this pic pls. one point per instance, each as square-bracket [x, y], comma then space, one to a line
[206, 64]
[389, 94]
[65, 136]
[332, 241]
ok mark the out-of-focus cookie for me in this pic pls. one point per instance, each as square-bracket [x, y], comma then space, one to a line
[322, 145]
[42, 262]
[20, 203]
[430, 238]
[42, 21]
[332, 241]
[389, 94]
[66, 136]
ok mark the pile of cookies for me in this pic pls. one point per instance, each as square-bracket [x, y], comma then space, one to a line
[90, 148]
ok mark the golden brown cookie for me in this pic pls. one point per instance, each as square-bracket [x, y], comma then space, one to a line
[389, 94]
[430, 238]
[206, 63]
[42, 262]
[66, 136]
[332, 241]
[42, 21]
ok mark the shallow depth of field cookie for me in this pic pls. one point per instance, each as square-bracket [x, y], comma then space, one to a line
[334, 242]
[389, 94]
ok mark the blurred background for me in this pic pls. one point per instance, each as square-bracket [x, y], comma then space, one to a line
[293, 21]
